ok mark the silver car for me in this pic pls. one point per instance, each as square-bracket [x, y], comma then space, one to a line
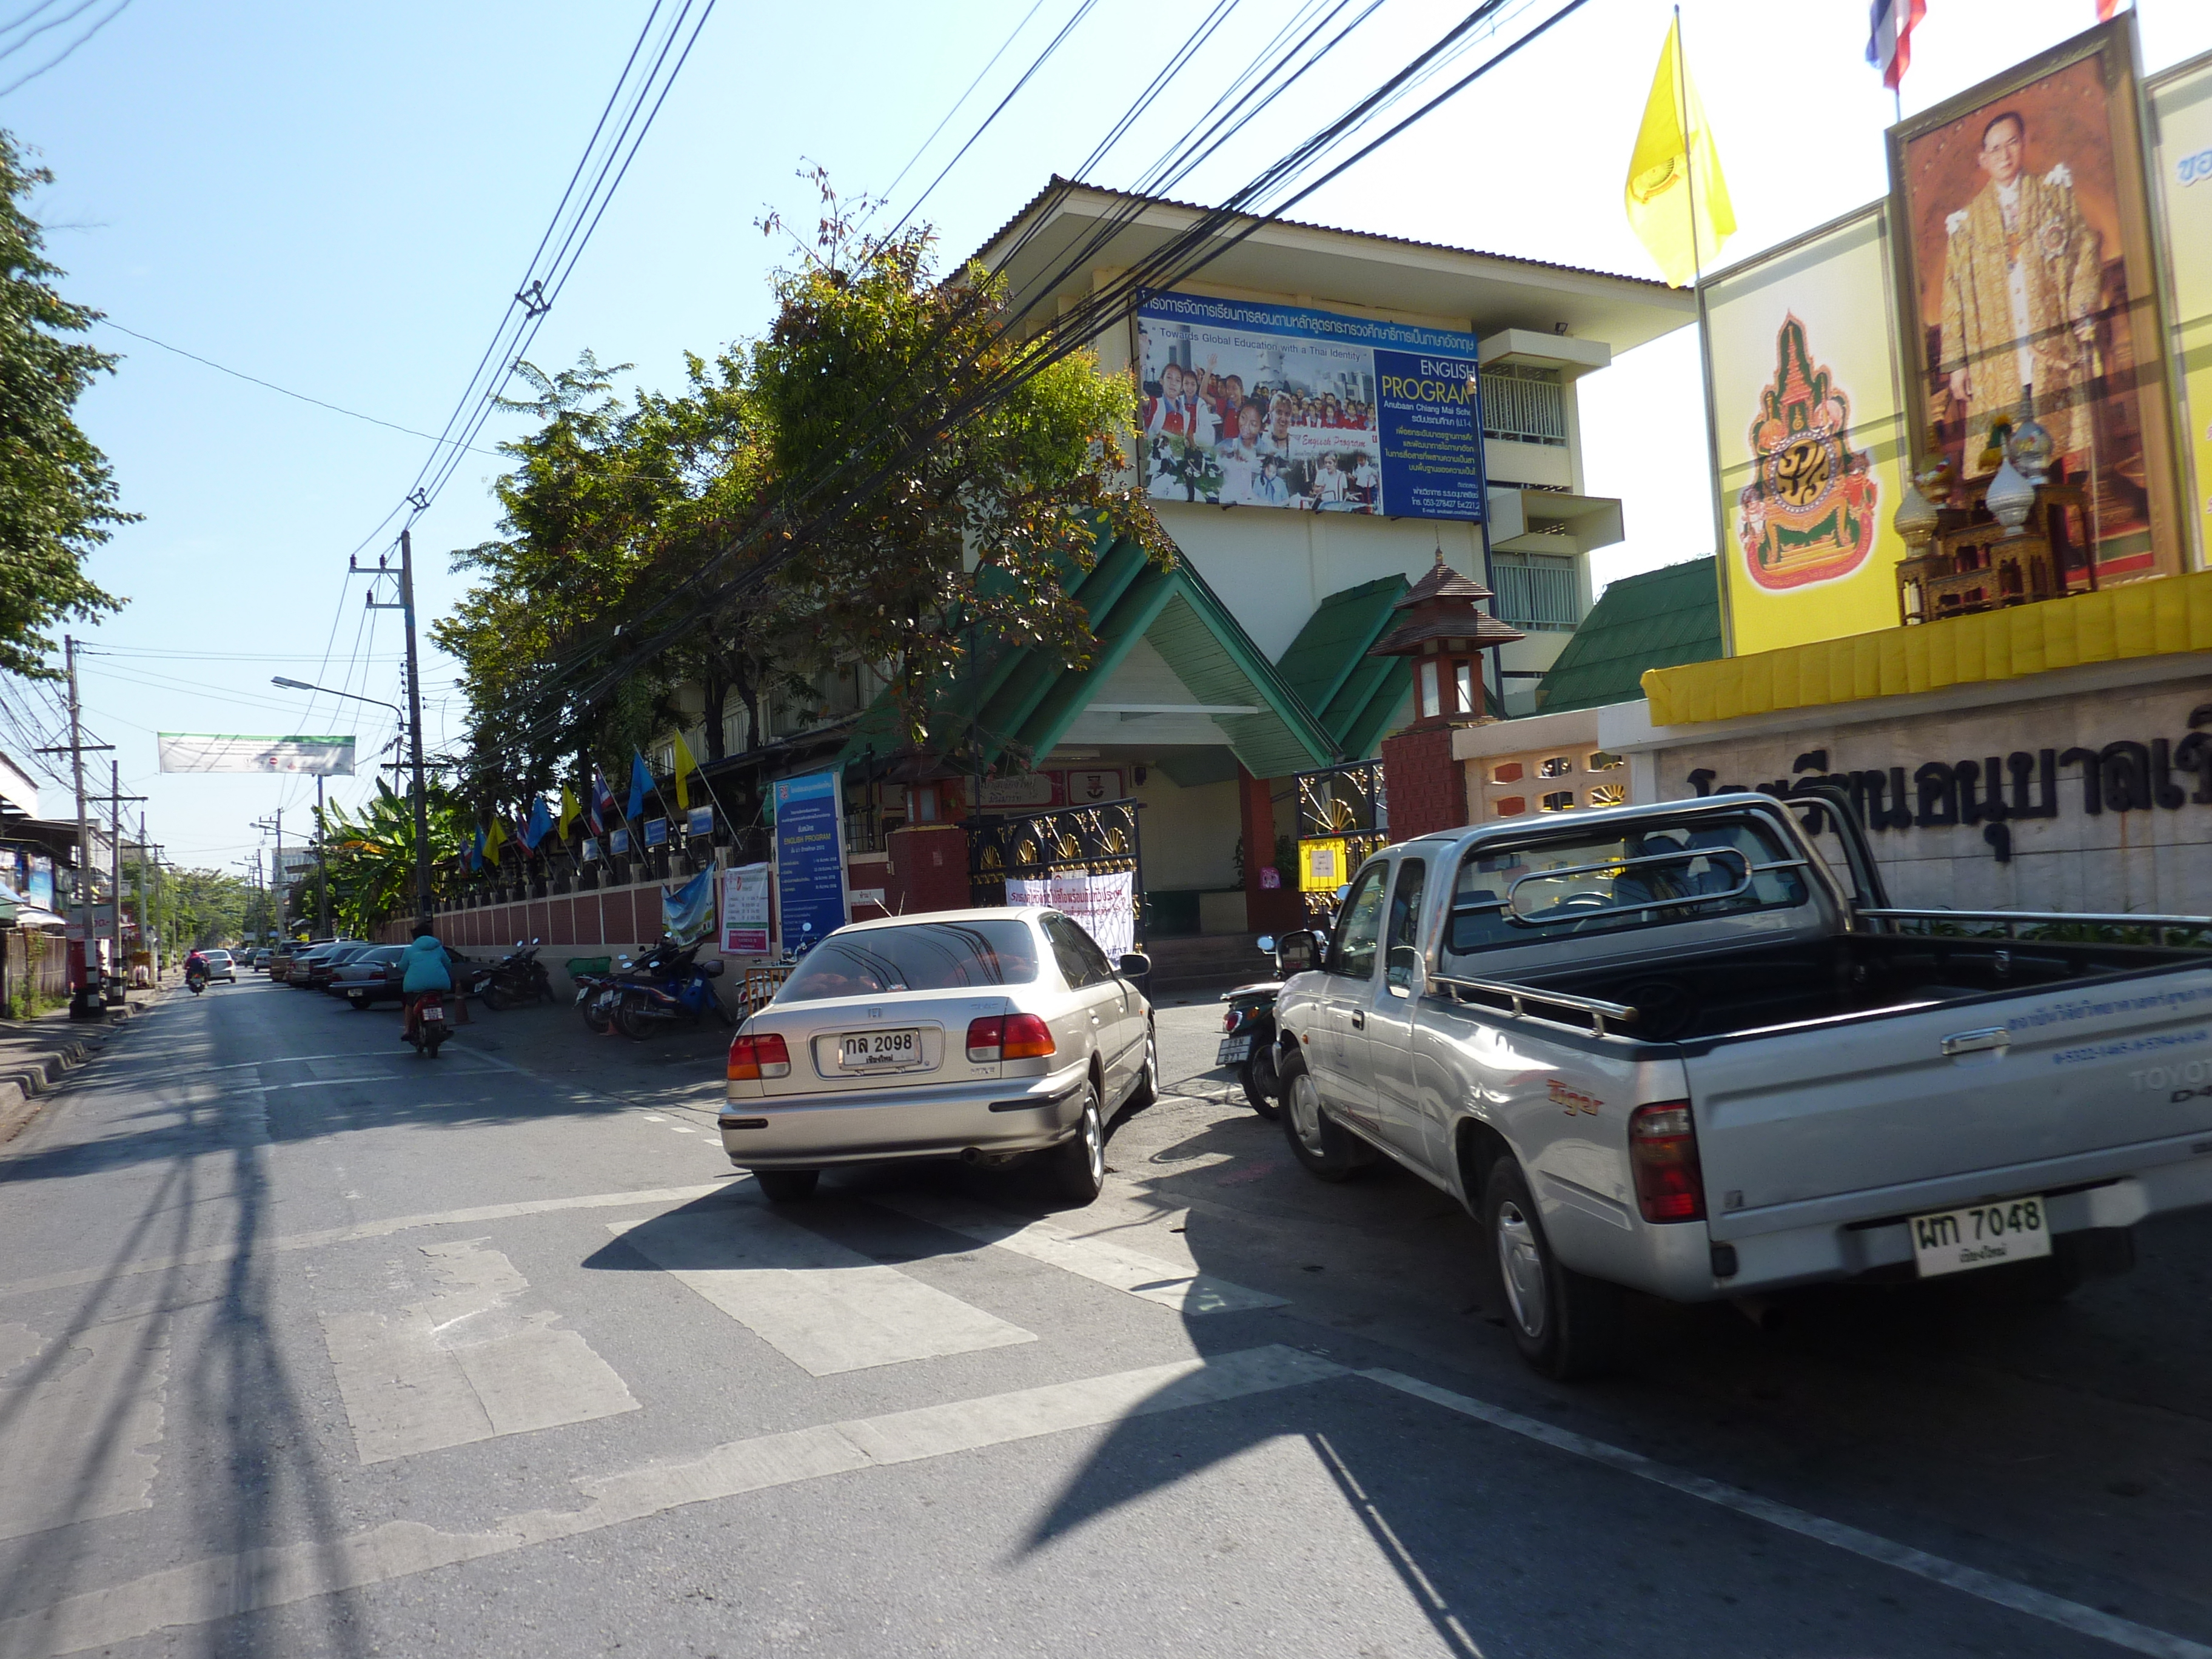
[222, 965]
[983, 1035]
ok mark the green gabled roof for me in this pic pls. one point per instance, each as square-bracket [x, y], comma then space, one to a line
[1025, 700]
[1660, 619]
[1328, 666]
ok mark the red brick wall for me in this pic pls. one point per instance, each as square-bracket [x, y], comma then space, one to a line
[1427, 788]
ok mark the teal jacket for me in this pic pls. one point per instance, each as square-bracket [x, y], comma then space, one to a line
[426, 967]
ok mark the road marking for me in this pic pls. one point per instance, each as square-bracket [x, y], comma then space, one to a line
[315, 1241]
[83, 1435]
[1184, 1289]
[223, 1586]
[464, 1366]
[824, 1307]
[1970, 1581]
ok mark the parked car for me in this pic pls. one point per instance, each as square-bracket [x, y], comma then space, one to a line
[312, 972]
[289, 953]
[222, 965]
[362, 978]
[1670, 1047]
[983, 1035]
[262, 958]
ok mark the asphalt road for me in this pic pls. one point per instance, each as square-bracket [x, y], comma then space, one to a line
[309, 1346]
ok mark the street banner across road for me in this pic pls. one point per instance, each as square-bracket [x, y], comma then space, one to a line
[210, 752]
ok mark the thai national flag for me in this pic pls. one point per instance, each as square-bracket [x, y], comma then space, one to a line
[1889, 37]
[601, 808]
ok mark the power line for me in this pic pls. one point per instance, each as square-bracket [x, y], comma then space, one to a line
[255, 380]
[30, 35]
[923, 148]
[23, 81]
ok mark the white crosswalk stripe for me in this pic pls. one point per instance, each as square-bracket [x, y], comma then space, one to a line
[1103, 1261]
[824, 1307]
[465, 1365]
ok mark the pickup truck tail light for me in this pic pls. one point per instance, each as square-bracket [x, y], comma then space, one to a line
[756, 1059]
[1663, 1148]
[1008, 1036]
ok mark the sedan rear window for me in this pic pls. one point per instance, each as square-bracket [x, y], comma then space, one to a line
[929, 955]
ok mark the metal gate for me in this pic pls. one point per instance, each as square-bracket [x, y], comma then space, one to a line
[1099, 840]
[1339, 803]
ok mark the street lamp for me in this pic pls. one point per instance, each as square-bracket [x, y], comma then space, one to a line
[421, 797]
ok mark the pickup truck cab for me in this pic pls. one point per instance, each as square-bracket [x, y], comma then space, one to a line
[1669, 1048]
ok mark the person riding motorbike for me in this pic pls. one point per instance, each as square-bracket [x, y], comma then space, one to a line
[424, 971]
[195, 965]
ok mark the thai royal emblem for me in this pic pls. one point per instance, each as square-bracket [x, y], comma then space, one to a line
[1808, 514]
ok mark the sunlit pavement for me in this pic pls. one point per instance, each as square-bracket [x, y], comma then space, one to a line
[310, 1345]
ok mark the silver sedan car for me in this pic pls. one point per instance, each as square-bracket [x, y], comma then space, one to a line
[982, 1035]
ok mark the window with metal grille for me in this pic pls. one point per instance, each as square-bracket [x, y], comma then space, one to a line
[1524, 405]
[1537, 591]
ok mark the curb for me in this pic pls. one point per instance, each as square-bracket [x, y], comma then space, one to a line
[24, 1083]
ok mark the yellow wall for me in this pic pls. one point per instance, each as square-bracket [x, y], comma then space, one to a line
[2181, 183]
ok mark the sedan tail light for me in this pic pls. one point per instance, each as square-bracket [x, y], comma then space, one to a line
[1663, 1148]
[1008, 1036]
[756, 1059]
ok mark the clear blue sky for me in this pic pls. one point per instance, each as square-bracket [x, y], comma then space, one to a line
[339, 199]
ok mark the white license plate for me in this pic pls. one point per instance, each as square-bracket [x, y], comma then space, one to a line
[1980, 1235]
[876, 1051]
[1234, 1051]
[433, 1014]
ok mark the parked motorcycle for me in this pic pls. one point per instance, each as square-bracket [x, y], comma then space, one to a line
[1248, 1042]
[515, 979]
[667, 985]
[430, 1028]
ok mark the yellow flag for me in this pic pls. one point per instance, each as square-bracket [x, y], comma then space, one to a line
[495, 838]
[1678, 202]
[685, 766]
[571, 810]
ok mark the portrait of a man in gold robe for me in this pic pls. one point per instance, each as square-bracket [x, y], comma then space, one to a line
[2023, 275]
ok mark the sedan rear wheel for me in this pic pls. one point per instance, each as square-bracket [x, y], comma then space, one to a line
[1079, 1163]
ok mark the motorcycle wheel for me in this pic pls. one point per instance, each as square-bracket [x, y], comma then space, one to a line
[600, 1023]
[632, 1022]
[492, 997]
[1262, 1086]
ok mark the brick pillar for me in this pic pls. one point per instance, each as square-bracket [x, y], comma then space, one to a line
[1267, 910]
[1427, 787]
[929, 864]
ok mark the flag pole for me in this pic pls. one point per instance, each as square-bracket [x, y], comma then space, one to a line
[1705, 340]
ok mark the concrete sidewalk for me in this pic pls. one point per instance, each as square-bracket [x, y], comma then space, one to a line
[36, 1053]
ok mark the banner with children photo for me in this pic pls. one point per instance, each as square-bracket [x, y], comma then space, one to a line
[1246, 404]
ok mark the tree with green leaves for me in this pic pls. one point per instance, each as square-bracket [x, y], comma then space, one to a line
[370, 859]
[57, 496]
[991, 465]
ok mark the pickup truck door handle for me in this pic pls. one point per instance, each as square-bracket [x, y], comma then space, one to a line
[1358, 1020]
[1967, 1042]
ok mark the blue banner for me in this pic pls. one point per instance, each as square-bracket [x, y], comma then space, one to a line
[656, 831]
[619, 842]
[1261, 405]
[810, 857]
[687, 912]
[700, 821]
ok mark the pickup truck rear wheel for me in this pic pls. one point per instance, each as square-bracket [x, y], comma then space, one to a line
[1566, 1324]
[1328, 1151]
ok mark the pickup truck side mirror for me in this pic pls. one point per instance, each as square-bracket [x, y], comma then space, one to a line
[1406, 970]
[1297, 952]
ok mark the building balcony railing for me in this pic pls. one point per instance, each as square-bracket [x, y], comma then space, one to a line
[1537, 591]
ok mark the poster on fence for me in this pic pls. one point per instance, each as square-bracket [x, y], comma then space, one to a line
[1105, 905]
[744, 910]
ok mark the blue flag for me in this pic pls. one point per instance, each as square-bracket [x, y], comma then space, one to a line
[476, 851]
[540, 824]
[640, 783]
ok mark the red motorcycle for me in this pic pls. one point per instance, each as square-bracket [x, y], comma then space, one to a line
[427, 1026]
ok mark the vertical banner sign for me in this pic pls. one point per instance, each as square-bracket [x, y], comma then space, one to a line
[744, 910]
[2181, 117]
[809, 856]
[1246, 404]
[1809, 427]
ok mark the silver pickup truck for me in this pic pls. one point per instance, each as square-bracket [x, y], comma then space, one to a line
[1673, 1048]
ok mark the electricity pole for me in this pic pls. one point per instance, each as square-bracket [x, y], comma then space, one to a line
[278, 883]
[82, 1005]
[405, 576]
[322, 867]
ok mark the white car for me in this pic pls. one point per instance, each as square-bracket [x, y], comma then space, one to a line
[220, 965]
[982, 1034]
